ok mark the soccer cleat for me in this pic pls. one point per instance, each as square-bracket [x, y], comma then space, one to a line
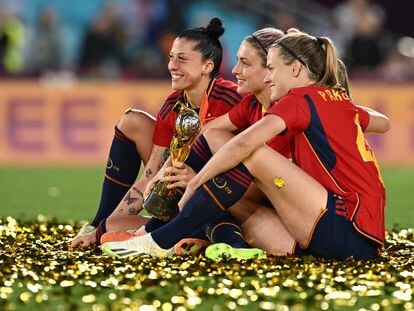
[222, 250]
[190, 246]
[144, 245]
[119, 236]
[86, 229]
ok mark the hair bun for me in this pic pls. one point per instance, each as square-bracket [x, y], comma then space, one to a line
[215, 27]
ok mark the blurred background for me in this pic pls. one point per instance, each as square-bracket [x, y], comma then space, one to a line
[68, 69]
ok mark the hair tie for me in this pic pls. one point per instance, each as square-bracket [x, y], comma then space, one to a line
[295, 56]
[260, 43]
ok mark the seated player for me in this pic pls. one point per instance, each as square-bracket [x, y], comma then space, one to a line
[330, 199]
[194, 64]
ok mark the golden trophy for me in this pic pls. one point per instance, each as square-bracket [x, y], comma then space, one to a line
[162, 203]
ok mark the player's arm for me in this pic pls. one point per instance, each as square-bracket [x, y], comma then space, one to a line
[131, 204]
[180, 174]
[236, 150]
[378, 123]
[223, 123]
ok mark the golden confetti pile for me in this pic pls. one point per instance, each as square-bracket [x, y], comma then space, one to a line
[38, 271]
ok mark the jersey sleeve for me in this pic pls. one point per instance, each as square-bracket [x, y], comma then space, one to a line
[164, 131]
[238, 116]
[363, 118]
[281, 144]
[294, 111]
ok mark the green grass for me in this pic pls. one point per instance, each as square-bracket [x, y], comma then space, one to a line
[73, 193]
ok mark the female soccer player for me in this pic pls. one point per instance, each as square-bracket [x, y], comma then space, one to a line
[331, 198]
[194, 64]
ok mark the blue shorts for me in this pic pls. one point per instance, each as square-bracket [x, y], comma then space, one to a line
[335, 237]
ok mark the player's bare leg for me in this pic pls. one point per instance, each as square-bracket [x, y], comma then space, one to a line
[280, 180]
[139, 127]
[262, 227]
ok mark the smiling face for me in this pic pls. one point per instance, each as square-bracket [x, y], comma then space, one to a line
[186, 66]
[280, 76]
[249, 70]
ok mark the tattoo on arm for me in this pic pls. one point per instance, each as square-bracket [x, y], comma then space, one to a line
[164, 158]
[131, 209]
[137, 191]
[130, 200]
[166, 154]
[148, 173]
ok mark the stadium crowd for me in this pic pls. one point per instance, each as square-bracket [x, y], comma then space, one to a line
[131, 38]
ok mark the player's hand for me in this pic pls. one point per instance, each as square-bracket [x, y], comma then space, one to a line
[156, 178]
[85, 240]
[178, 175]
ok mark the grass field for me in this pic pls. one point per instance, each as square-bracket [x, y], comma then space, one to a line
[39, 272]
[73, 193]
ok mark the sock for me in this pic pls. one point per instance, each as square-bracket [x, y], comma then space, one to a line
[228, 188]
[199, 233]
[100, 230]
[122, 169]
[199, 155]
[207, 202]
[154, 224]
[225, 229]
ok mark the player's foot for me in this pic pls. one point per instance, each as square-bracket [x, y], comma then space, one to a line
[119, 236]
[223, 250]
[86, 229]
[144, 245]
[190, 246]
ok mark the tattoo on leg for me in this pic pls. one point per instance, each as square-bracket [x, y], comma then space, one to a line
[130, 200]
[148, 173]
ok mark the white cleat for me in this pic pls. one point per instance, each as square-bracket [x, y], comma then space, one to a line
[141, 245]
[86, 229]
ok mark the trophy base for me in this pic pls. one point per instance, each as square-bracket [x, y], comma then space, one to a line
[164, 208]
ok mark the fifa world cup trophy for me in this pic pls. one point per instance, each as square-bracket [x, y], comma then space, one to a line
[162, 203]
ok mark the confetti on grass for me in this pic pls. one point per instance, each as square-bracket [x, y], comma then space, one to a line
[39, 272]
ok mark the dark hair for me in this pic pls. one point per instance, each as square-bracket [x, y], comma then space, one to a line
[317, 54]
[263, 39]
[207, 42]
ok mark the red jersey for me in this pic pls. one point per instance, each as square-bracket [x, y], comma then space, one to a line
[329, 145]
[247, 113]
[220, 97]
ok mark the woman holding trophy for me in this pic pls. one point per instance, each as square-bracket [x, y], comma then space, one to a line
[195, 59]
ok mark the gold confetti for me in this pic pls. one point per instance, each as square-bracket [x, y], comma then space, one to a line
[37, 267]
[279, 182]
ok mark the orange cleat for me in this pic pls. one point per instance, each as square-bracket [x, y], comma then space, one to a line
[119, 236]
[190, 246]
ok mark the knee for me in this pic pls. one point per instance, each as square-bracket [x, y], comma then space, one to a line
[132, 123]
[216, 138]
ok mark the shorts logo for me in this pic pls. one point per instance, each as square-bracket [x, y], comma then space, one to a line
[110, 164]
[221, 183]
